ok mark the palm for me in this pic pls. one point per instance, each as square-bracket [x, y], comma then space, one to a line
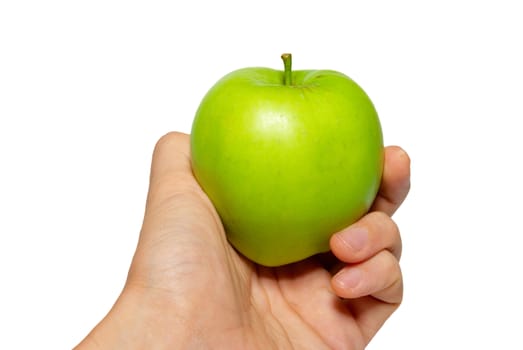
[262, 305]
[294, 303]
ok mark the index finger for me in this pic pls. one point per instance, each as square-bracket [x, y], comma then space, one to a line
[395, 182]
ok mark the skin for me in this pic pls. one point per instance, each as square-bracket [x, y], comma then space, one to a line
[187, 288]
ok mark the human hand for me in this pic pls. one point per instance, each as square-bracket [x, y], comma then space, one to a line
[188, 288]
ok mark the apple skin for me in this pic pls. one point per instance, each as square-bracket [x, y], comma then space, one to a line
[286, 166]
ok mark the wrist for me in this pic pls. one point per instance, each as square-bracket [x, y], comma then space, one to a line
[141, 320]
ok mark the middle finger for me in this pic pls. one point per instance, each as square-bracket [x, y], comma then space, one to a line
[373, 233]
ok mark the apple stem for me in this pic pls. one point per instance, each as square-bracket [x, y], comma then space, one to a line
[287, 63]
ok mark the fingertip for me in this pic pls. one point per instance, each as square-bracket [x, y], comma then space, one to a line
[346, 283]
[398, 152]
[398, 159]
[379, 277]
[171, 152]
[347, 244]
[171, 171]
[170, 141]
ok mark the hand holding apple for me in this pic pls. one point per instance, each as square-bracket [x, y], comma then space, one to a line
[188, 288]
[287, 158]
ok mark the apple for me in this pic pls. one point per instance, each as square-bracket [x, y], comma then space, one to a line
[287, 158]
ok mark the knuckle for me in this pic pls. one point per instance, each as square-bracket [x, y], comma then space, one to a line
[383, 222]
[386, 232]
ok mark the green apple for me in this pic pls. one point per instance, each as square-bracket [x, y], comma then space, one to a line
[287, 158]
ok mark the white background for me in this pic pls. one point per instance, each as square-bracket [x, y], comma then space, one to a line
[86, 89]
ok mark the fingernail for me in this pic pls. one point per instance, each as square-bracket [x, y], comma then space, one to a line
[348, 279]
[355, 237]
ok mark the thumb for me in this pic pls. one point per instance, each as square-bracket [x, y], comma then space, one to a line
[170, 169]
[179, 224]
[177, 211]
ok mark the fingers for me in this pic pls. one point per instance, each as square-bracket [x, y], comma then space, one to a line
[395, 183]
[370, 249]
[374, 232]
[379, 277]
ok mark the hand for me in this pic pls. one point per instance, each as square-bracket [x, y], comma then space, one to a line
[187, 288]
